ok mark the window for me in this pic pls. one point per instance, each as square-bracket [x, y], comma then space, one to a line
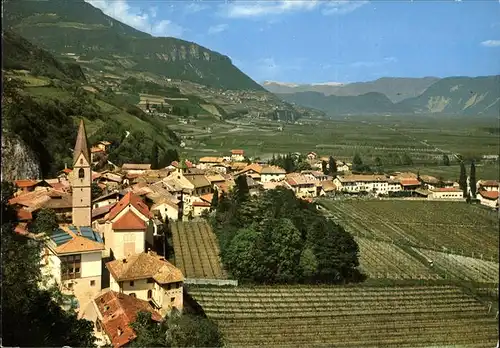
[150, 293]
[70, 267]
[132, 283]
[81, 173]
[172, 299]
[92, 283]
[169, 286]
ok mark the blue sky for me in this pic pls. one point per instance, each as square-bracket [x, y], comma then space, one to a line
[314, 41]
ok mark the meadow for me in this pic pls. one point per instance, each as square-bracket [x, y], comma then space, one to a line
[351, 316]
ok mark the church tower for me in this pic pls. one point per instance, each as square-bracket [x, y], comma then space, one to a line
[81, 180]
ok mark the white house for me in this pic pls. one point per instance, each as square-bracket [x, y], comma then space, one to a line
[446, 193]
[487, 185]
[167, 209]
[488, 198]
[302, 186]
[148, 276]
[377, 184]
[237, 155]
[272, 173]
[105, 200]
[72, 259]
[133, 168]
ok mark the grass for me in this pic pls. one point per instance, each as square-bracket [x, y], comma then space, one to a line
[353, 316]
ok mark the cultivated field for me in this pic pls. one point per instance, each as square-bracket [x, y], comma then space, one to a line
[463, 267]
[385, 260]
[333, 316]
[453, 227]
[196, 250]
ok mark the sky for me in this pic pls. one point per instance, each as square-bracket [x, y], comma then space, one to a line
[311, 41]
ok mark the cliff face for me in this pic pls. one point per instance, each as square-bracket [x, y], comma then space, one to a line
[18, 160]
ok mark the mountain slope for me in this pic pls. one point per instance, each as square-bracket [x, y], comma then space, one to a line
[395, 88]
[369, 103]
[459, 96]
[102, 43]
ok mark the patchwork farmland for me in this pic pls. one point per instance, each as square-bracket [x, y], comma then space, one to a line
[352, 316]
[196, 250]
[452, 227]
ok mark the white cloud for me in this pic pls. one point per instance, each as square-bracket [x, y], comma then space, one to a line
[369, 64]
[138, 19]
[341, 7]
[194, 7]
[216, 29]
[258, 9]
[491, 43]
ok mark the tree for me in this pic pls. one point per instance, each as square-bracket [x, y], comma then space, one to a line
[30, 316]
[95, 191]
[446, 160]
[155, 161]
[324, 167]
[332, 165]
[215, 200]
[407, 161]
[45, 221]
[147, 104]
[462, 180]
[357, 162]
[241, 191]
[472, 180]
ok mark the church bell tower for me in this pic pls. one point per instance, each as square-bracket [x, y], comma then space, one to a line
[81, 180]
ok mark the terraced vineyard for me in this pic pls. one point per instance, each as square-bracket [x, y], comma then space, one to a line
[463, 267]
[196, 250]
[385, 260]
[454, 227]
[295, 316]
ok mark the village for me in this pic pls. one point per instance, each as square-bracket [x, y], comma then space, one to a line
[103, 251]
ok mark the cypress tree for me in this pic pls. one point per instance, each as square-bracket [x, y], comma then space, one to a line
[215, 200]
[472, 180]
[154, 156]
[462, 181]
[324, 167]
[332, 165]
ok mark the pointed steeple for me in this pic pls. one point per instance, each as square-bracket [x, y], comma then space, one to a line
[81, 146]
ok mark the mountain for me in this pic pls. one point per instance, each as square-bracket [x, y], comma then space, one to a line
[461, 96]
[369, 103]
[43, 100]
[84, 33]
[468, 96]
[395, 88]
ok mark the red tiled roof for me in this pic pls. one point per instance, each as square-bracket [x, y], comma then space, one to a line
[67, 170]
[489, 194]
[446, 189]
[133, 200]
[26, 183]
[237, 152]
[201, 204]
[118, 312]
[23, 214]
[409, 182]
[21, 228]
[129, 221]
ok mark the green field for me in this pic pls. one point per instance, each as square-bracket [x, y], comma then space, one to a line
[353, 316]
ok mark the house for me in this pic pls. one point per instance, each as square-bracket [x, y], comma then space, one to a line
[107, 199]
[355, 183]
[272, 173]
[488, 198]
[103, 145]
[46, 197]
[301, 185]
[271, 185]
[253, 170]
[312, 156]
[114, 312]
[25, 186]
[316, 175]
[446, 193]
[200, 183]
[237, 155]
[215, 178]
[96, 153]
[342, 167]
[149, 277]
[110, 180]
[208, 162]
[127, 227]
[200, 206]
[409, 184]
[429, 182]
[488, 185]
[131, 168]
[72, 258]
[168, 209]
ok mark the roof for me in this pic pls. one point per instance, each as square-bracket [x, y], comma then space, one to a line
[104, 142]
[67, 170]
[23, 214]
[44, 198]
[237, 165]
[129, 221]
[409, 182]
[270, 185]
[211, 160]
[299, 179]
[118, 311]
[237, 152]
[26, 183]
[96, 212]
[488, 183]
[76, 242]
[95, 149]
[251, 167]
[429, 179]
[136, 166]
[201, 204]
[362, 178]
[198, 180]
[130, 199]
[207, 197]
[328, 186]
[272, 170]
[145, 265]
[106, 196]
[215, 178]
[81, 146]
[493, 195]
